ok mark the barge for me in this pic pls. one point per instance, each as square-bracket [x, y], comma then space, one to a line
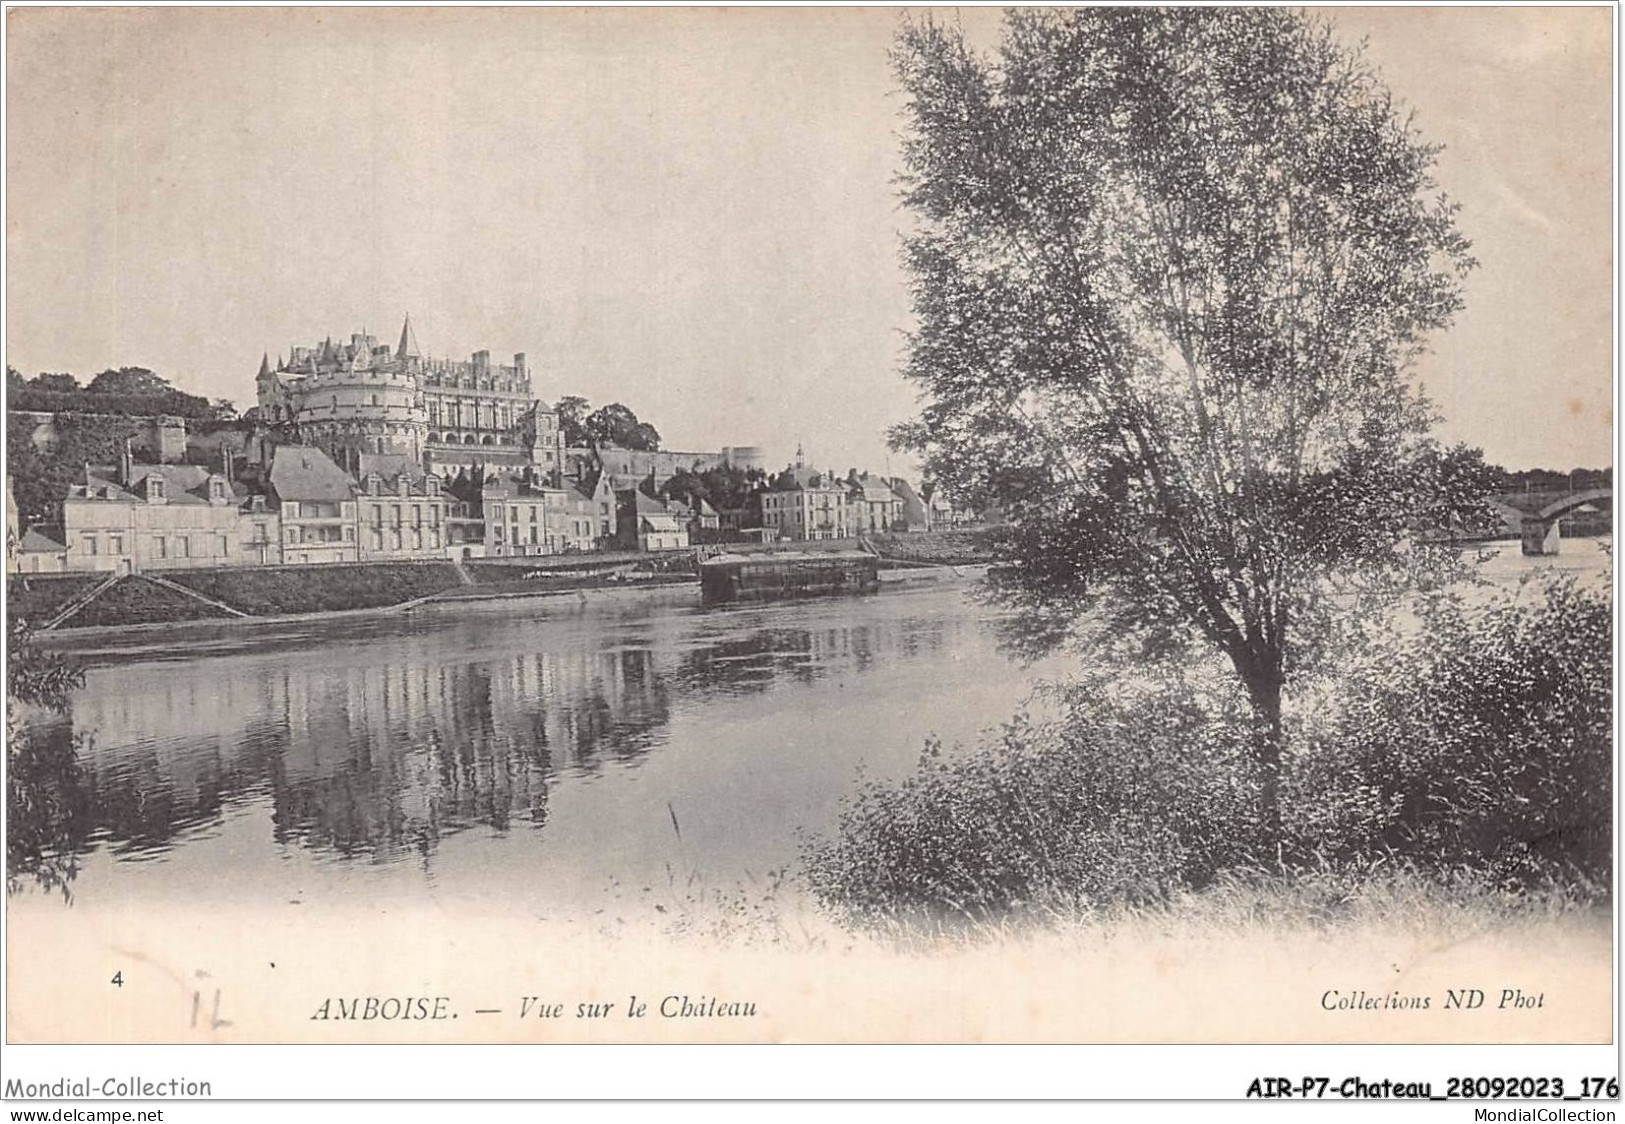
[770, 577]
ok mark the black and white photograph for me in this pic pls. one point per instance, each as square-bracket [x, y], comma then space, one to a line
[859, 525]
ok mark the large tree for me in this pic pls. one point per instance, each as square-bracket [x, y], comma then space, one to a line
[617, 425]
[573, 410]
[1169, 268]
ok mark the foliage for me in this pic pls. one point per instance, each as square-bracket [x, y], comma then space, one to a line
[1122, 802]
[724, 487]
[943, 548]
[128, 380]
[617, 425]
[1170, 269]
[573, 410]
[1482, 737]
[47, 806]
[127, 390]
[1477, 739]
[40, 480]
[34, 677]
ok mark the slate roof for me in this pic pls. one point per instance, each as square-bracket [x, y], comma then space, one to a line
[183, 484]
[43, 540]
[645, 504]
[300, 472]
[876, 491]
[388, 465]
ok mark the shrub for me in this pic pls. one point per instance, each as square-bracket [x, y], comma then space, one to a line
[1481, 738]
[1477, 741]
[1118, 802]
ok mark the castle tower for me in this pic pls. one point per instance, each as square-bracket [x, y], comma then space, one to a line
[409, 342]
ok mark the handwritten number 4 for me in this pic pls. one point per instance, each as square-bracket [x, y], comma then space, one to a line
[118, 979]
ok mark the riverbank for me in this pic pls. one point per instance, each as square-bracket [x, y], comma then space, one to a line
[84, 603]
[467, 597]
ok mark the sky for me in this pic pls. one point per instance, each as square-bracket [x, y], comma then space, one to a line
[689, 211]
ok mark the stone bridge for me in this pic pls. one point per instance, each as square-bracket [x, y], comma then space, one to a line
[1539, 529]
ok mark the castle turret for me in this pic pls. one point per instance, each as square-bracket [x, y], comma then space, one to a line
[409, 342]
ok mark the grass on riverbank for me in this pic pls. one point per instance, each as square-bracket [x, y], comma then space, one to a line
[939, 548]
[36, 598]
[134, 600]
[315, 589]
[1471, 756]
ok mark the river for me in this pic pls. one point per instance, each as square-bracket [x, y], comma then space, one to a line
[538, 757]
[535, 753]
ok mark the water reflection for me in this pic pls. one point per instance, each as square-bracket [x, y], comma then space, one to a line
[377, 746]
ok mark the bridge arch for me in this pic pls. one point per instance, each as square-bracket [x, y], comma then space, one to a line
[1558, 508]
[1542, 530]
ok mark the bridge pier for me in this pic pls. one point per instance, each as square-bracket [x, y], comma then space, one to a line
[1541, 536]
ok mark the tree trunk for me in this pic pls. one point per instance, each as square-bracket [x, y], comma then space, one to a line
[1264, 681]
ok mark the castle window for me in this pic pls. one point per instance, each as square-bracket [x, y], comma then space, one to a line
[161, 545]
[115, 544]
[89, 544]
[225, 545]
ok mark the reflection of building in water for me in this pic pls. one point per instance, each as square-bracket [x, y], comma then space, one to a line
[739, 664]
[367, 757]
[163, 753]
[382, 746]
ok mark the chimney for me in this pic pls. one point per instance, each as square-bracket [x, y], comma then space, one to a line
[226, 465]
[126, 464]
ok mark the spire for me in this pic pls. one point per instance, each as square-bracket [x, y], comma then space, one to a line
[409, 342]
[265, 364]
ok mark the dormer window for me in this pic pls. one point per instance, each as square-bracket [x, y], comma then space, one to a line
[217, 488]
[155, 486]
